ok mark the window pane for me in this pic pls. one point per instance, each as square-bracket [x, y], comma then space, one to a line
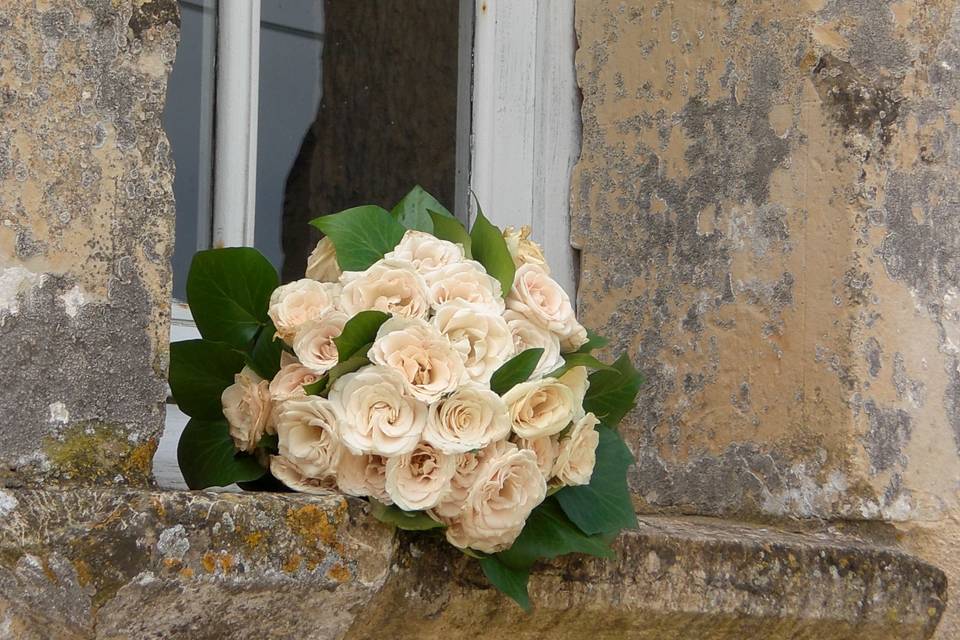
[386, 119]
[291, 44]
[188, 121]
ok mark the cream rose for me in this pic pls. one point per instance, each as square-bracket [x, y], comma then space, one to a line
[467, 281]
[293, 304]
[420, 479]
[546, 448]
[507, 486]
[578, 452]
[307, 435]
[522, 249]
[544, 302]
[322, 262]
[528, 335]
[452, 503]
[482, 338]
[427, 361]
[391, 286]
[247, 408]
[291, 476]
[314, 343]
[289, 382]
[545, 407]
[374, 414]
[425, 252]
[363, 476]
[470, 418]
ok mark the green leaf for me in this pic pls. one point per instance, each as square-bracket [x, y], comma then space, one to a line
[322, 386]
[490, 249]
[571, 360]
[514, 371]
[413, 210]
[270, 442]
[317, 387]
[604, 505]
[199, 372]
[447, 228]
[594, 341]
[359, 331]
[266, 482]
[207, 457]
[397, 517]
[612, 393]
[511, 582]
[264, 357]
[229, 294]
[361, 235]
[351, 364]
[548, 534]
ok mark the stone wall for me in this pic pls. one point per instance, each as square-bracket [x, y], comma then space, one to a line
[86, 205]
[767, 207]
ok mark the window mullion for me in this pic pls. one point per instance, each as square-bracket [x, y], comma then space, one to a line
[235, 161]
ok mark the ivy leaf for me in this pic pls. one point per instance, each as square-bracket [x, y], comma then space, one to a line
[199, 372]
[612, 393]
[413, 210]
[511, 582]
[397, 517]
[490, 249]
[604, 505]
[229, 293]
[361, 235]
[594, 341]
[548, 534]
[515, 370]
[571, 360]
[359, 331]
[264, 357]
[448, 228]
[207, 457]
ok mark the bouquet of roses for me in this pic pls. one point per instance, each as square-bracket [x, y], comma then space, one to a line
[441, 374]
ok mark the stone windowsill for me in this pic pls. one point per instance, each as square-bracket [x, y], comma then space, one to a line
[97, 563]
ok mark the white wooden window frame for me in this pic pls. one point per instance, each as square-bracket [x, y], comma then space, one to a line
[518, 129]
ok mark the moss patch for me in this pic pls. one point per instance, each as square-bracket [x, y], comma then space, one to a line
[99, 451]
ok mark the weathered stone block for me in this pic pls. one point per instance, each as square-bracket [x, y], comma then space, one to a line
[88, 563]
[766, 207]
[86, 234]
[763, 208]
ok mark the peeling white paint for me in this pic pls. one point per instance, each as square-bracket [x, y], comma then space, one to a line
[7, 504]
[73, 300]
[13, 282]
[59, 413]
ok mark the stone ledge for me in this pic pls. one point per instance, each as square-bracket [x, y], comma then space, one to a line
[90, 563]
[675, 578]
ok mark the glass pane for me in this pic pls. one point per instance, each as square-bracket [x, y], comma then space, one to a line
[375, 118]
[188, 121]
[291, 45]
